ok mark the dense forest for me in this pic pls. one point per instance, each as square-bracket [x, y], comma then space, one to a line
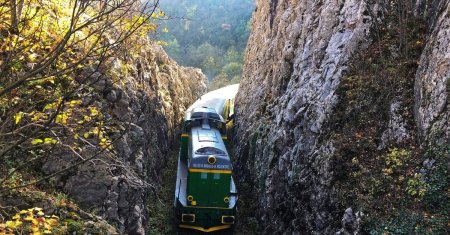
[210, 35]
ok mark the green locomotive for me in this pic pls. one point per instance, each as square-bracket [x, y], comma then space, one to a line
[205, 194]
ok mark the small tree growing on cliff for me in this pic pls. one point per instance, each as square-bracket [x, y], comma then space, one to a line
[45, 48]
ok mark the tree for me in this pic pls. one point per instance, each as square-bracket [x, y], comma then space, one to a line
[199, 26]
[233, 69]
[220, 81]
[46, 48]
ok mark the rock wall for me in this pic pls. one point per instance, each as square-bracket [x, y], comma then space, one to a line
[297, 53]
[295, 57]
[432, 108]
[144, 108]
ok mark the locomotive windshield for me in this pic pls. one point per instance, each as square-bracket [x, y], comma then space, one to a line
[197, 115]
[210, 151]
[214, 116]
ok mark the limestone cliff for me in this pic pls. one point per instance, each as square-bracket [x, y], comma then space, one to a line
[287, 118]
[145, 106]
[432, 109]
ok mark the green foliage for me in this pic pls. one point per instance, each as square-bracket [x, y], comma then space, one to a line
[210, 35]
[74, 226]
[220, 81]
[162, 214]
[233, 69]
[417, 186]
[395, 159]
[407, 222]
[437, 196]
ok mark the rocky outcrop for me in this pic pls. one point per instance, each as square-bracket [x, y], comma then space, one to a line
[297, 54]
[432, 108]
[142, 110]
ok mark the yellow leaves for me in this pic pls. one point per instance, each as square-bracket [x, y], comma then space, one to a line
[165, 30]
[95, 131]
[94, 111]
[53, 105]
[44, 141]
[62, 118]
[36, 141]
[76, 136]
[32, 57]
[31, 221]
[18, 117]
[74, 103]
[50, 141]
[157, 15]
[86, 135]
[37, 116]
[11, 224]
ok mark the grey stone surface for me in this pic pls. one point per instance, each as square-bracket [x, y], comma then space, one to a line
[432, 84]
[147, 105]
[397, 130]
[297, 53]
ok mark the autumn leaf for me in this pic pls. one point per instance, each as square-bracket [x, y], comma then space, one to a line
[18, 117]
[50, 141]
[36, 141]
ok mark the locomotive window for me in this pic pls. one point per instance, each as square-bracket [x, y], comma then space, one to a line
[216, 176]
[210, 151]
[204, 175]
[197, 115]
[213, 116]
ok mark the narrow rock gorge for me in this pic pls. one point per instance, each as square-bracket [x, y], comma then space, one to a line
[341, 120]
[328, 84]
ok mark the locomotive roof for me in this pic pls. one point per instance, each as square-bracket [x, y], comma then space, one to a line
[203, 113]
[208, 142]
[216, 99]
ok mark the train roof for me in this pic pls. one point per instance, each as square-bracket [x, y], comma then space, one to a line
[207, 142]
[216, 99]
[203, 113]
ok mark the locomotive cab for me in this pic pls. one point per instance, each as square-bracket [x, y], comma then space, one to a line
[198, 117]
[209, 169]
[205, 194]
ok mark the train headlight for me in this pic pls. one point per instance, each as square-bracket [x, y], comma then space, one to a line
[211, 159]
[226, 199]
[188, 218]
[227, 219]
[190, 198]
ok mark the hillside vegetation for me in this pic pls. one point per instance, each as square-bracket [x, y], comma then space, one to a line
[210, 35]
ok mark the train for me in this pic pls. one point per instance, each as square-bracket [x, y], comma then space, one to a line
[205, 194]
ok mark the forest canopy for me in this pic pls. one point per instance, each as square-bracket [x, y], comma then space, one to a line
[208, 34]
